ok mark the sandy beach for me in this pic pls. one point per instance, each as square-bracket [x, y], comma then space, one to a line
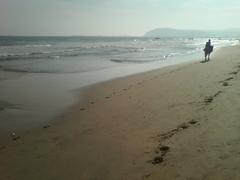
[180, 122]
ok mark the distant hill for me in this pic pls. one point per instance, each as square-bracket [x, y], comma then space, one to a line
[168, 32]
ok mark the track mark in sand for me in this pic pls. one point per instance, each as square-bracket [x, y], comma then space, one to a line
[162, 150]
[179, 128]
[237, 70]
[168, 134]
[225, 84]
[217, 93]
[46, 126]
[141, 82]
[120, 92]
[234, 72]
[238, 66]
[146, 176]
[181, 104]
[183, 126]
[56, 138]
[228, 79]
[192, 121]
[209, 99]
[157, 160]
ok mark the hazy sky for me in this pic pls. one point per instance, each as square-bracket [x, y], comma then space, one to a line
[114, 17]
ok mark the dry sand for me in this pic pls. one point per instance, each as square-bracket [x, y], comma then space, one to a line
[180, 122]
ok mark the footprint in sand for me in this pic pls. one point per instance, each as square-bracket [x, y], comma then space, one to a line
[217, 93]
[160, 158]
[208, 99]
[228, 79]
[164, 148]
[169, 134]
[183, 126]
[46, 126]
[179, 128]
[234, 72]
[157, 160]
[82, 109]
[225, 84]
[192, 122]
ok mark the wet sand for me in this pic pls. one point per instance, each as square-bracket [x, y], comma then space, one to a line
[39, 98]
[180, 122]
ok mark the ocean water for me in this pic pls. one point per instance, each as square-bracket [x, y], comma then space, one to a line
[90, 54]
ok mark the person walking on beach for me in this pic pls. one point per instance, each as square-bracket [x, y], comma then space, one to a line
[208, 49]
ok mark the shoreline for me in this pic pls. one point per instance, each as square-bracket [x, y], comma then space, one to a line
[80, 96]
[174, 123]
[24, 96]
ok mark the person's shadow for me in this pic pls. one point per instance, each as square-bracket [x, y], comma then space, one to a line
[204, 61]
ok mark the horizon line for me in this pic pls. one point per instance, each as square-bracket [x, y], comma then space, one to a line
[143, 35]
[71, 35]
